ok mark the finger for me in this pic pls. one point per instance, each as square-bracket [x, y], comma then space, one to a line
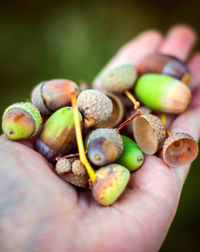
[194, 66]
[138, 48]
[179, 41]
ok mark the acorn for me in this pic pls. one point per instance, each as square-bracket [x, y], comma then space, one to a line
[95, 106]
[72, 171]
[51, 95]
[165, 64]
[117, 112]
[132, 157]
[119, 79]
[21, 120]
[162, 93]
[58, 135]
[180, 149]
[149, 133]
[110, 183]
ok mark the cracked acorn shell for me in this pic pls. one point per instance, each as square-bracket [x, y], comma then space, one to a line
[119, 79]
[165, 64]
[149, 133]
[117, 112]
[110, 183]
[162, 93]
[51, 95]
[21, 120]
[180, 149]
[58, 135]
[72, 171]
[95, 106]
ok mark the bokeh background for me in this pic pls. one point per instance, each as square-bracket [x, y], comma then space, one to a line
[41, 40]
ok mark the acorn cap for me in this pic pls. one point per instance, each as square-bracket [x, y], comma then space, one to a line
[58, 135]
[110, 183]
[72, 171]
[102, 152]
[95, 106]
[149, 133]
[117, 112]
[21, 120]
[162, 93]
[165, 64]
[110, 134]
[51, 95]
[180, 149]
[119, 79]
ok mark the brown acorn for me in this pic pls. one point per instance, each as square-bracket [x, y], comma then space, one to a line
[117, 112]
[165, 64]
[72, 171]
[180, 149]
[95, 106]
[58, 135]
[51, 95]
[149, 133]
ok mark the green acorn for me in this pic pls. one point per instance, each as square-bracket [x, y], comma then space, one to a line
[119, 79]
[58, 135]
[110, 183]
[165, 64]
[162, 93]
[132, 157]
[21, 120]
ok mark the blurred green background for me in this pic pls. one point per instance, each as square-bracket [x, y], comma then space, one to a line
[41, 40]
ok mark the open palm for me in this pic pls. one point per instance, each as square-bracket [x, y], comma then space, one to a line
[41, 212]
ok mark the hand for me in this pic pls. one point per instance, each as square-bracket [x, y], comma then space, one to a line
[41, 212]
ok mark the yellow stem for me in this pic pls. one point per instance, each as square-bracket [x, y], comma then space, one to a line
[132, 98]
[163, 119]
[79, 140]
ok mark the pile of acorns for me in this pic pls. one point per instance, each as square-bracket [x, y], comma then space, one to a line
[61, 116]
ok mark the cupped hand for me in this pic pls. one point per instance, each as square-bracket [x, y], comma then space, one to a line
[41, 212]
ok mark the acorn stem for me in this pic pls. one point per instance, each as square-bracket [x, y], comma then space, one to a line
[122, 125]
[132, 98]
[79, 140]
[163, 119]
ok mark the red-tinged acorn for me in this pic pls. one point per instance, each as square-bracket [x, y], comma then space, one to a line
[51, 95]
[110, 183]
[162, 93]
[58, 135]
[21, 120]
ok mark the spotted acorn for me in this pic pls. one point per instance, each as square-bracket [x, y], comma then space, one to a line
[95, 106]
[165, 64]
[104, 146]
[21, 120]
[51, 95]
[132, 157]
[180, 149]
[149, 133]
[110, 183]
[72, 171]
[119, 79]
[162, 93]
[58, 135]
